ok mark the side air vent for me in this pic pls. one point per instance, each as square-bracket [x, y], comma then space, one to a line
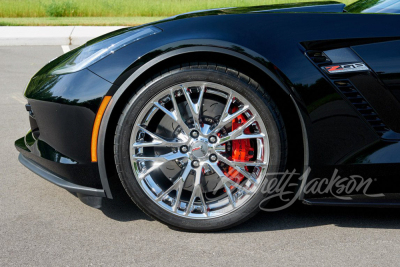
[355, 81]
[362, 106]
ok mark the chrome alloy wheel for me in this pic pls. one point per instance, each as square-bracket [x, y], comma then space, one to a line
[181, 152]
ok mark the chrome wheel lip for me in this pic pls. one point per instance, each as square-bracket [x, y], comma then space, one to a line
[227, 204]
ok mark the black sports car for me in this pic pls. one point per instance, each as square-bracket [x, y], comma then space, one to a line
[210, 116]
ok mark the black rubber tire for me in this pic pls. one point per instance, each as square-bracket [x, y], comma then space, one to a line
[210, 72]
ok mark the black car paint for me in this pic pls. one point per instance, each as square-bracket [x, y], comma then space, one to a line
[384, 59]
[69, 104]
[277, 43]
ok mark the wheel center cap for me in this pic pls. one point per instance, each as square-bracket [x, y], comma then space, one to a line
[199, 149]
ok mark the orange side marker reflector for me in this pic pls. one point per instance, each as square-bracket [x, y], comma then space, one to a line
[96, 126]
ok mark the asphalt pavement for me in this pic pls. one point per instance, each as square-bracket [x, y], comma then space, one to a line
[43, 225]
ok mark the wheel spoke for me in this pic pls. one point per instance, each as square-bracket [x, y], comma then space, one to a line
[249, 136]
[220, 149]
[239, 132]
[229, 117]
[143, 174]
[178, 195]
[226, 181]
[230, 196]
[158, 161]
[239, 168]
[175, 114]
[179, 117]
[197, 193]
[225, 113]
[162, 158]
[195, 109]
[250, 163]
[157, 141]
[171, 114]
[177, 186]
[227, 105]
[225, 116]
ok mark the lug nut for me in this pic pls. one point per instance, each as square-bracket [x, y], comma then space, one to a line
[212, 139]
[184, 149]
[195, 163]
[213, 158]
[194, 134]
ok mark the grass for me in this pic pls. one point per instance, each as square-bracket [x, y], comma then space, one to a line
[120, 8]
[82, 21]
[110, 12]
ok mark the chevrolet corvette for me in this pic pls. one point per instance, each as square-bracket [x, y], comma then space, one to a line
[196, 112]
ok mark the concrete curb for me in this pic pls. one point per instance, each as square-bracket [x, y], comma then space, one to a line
[51, 35]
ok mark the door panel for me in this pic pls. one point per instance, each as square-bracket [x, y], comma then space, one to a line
[384, 59]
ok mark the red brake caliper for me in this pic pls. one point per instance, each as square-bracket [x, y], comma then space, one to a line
[241, 149]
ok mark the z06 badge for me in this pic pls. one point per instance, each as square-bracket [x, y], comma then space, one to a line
[345, 68]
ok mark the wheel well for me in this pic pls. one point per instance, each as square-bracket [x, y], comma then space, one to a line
[281, 98]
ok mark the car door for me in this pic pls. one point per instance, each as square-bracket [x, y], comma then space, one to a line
[384, 59]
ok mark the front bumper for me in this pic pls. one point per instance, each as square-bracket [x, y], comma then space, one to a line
[41, 159]
[52, 178]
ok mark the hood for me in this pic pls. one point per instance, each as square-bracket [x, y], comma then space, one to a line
[310, 7]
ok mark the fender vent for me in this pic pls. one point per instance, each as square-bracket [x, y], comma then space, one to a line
[362, 106]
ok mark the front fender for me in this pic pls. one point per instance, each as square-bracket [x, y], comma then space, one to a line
[175, 49]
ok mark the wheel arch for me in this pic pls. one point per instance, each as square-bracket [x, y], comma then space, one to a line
[294, 123]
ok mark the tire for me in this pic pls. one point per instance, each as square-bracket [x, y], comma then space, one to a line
[213, 74]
